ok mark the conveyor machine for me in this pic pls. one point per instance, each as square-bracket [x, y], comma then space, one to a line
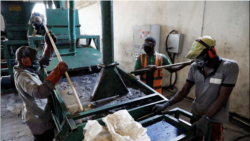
[103, 88]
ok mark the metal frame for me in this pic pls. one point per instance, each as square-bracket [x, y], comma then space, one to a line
[70, 131]
[96, 39]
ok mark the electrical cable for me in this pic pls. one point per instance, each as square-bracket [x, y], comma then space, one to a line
[172, 58]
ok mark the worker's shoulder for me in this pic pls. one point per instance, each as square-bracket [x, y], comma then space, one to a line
[193, 65]
[163, 55]
[229, 63]
[142, 54]
[24, 75]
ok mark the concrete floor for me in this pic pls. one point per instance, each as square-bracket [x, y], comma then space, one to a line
[13, 130]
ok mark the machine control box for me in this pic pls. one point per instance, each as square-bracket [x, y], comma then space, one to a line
[175, 43]
[140, 33]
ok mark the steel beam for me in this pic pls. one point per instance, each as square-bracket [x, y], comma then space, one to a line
[72, 31]
[107, 32]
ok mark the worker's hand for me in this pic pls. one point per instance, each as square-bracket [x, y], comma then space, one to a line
[201, 126]
[152, 67]
[57, 72]
[48, 48]
[158, 108]
[189, 63]
[63, 67]
[47, 40]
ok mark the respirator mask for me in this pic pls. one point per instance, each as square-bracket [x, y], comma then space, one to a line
[35, 66]
[148, 47]
[202, 60]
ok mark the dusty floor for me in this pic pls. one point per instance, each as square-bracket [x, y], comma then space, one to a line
[13, 130]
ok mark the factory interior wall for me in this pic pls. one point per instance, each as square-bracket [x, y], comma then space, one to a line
[227, 22]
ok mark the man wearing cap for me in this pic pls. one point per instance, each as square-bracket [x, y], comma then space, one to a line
[152, 60]
[215, 79]
[34, 93]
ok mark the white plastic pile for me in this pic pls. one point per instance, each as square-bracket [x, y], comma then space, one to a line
[14, 104]
[120, 126]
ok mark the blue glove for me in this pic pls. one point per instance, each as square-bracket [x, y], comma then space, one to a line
[158, 108]
[201, 126]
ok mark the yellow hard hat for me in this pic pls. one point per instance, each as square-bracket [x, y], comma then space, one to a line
[197, 47]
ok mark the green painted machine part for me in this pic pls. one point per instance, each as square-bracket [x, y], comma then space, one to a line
[72, 32]
[104, 88]
[60, 26]
[68, 130]
[107, 31]
[16, 27]
[16, 17]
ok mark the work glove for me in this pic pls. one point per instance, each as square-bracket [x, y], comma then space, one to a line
[48, 49]
[152, 67]
[57, 72]
[201, 126]
[158, 108]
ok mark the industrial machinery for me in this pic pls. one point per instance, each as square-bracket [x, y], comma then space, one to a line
[16, 27]
[103, 87]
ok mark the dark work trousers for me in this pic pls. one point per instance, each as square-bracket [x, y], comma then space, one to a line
[46, 136]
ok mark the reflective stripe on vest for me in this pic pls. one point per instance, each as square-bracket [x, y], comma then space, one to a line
[157, 73]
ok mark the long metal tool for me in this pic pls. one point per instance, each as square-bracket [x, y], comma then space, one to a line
[160, 67]
[66, 73]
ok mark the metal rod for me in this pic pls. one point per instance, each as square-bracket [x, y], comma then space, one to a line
[145, 116]
[66, 73]
[72, 28]
[160, 67]
[107, 32]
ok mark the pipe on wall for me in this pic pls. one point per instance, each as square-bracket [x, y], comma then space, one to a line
[72, 32]
[107, 32]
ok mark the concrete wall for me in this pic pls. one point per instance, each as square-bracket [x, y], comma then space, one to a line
[227, 22]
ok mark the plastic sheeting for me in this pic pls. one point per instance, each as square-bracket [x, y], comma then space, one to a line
[120, 126]
[14, 104]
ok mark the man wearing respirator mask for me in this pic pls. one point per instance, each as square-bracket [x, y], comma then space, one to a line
[215, 79]
[152, 60]
[34, 93]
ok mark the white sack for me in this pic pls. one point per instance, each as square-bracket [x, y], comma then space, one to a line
[93, 131]
[121, 127]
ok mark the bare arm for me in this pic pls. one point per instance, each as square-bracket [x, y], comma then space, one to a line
[179, 67]
[181, 93]
[220, 102]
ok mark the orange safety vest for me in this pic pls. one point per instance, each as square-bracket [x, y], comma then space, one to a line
[157, 73]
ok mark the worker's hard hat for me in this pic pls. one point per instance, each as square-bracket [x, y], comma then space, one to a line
[197, 47]
[38, 20]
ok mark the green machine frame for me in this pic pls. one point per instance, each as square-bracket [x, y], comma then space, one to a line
[16, 27]
[68, 130]
[61, 28]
